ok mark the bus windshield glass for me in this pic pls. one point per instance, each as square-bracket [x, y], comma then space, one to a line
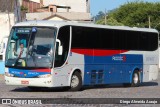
[31, 47]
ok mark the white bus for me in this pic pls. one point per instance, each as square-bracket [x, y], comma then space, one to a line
[68, 54]
[3, 47]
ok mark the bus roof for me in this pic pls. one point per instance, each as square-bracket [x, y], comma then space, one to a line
[59, 24]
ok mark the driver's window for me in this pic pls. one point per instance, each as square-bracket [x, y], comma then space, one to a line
[41, 48]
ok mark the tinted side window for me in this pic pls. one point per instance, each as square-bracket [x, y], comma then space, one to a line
[144, 42]
[64, 37]
[154, 43]
[92, 38]
[119, 39]
[83, 37]
[139, 41]
[104, 39]
[132, 39]
[110, 39]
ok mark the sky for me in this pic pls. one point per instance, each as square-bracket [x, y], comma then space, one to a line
[101, 5]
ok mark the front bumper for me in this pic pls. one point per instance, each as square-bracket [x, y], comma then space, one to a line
[38, 82]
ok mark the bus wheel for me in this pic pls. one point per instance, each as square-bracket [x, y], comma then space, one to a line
[135, 79]
[76, 82]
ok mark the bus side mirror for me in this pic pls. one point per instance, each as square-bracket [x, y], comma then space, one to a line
[60, 50]
[60, 47]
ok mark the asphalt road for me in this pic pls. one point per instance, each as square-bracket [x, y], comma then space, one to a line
[146, 90]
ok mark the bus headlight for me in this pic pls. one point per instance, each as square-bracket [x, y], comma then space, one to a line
[8, 74]
[44, 76]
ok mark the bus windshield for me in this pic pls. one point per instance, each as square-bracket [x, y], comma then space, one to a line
[30, 47]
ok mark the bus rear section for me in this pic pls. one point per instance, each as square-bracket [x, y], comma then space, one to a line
[128, 56]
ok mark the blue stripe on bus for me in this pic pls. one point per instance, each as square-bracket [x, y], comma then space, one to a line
[111, 69]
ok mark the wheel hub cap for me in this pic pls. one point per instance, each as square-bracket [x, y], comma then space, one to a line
[74, 81]
[135, 79]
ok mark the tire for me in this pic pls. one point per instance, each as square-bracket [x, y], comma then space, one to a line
[135, 80]
[76, 82]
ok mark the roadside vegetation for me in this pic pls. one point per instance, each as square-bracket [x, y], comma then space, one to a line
[133, 14]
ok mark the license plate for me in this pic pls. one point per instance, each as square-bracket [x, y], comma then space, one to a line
[24, 82]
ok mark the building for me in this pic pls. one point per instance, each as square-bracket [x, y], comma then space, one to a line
[31, 6]
[59, 16]
[71, 10]
[75, 5]
[56, 5]
[54, 8]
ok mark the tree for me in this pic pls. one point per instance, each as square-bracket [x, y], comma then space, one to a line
[110, 21]
[24, 9]
[136, 14]
[99, 16]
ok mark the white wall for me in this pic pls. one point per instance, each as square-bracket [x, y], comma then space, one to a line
[61, 10]
[76, 5]
[38, 1]
[56, 18]
[5, 30]
[4, 24]
[47, 2]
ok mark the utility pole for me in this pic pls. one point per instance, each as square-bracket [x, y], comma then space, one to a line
[17, 11]
[149, 20]
[94, 20]
[105, 17]
[88, 6]
[9, 19]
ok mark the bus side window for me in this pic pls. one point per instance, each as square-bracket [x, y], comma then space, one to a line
[64, 40]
